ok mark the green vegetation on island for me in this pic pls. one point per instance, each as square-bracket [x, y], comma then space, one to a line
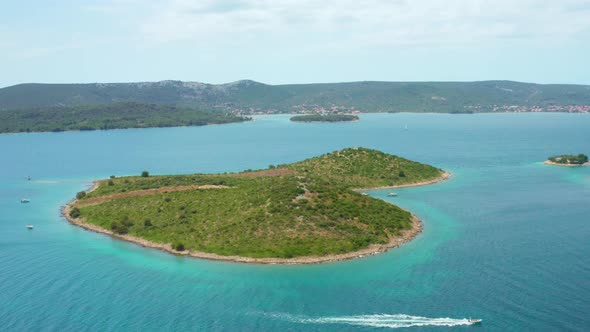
[566, 159]
[324, 118]
[112, 116]
[307, 208]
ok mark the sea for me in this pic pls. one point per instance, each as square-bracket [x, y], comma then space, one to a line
[505, 240]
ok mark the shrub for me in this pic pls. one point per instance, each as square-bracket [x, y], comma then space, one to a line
[112, 176]
[402, 174]
[81, 194]
[167, 199]
[147, 223]
[127, 222]
[75, 213]
[111, 183]
[119, 228]
[145, 174]
[178, 246]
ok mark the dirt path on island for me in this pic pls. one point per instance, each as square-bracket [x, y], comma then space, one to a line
[144, 192]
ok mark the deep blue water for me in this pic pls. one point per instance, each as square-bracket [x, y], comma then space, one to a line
[507, 239]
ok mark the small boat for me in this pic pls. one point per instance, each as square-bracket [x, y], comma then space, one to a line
[392, 194]
[30, 226]
[474, 321]
[25, 200]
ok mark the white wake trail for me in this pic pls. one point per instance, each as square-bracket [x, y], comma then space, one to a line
[381, 320]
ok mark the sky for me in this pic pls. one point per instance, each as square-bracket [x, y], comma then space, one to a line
[294, 41]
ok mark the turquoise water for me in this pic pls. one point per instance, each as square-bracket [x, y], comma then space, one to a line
[505, 240]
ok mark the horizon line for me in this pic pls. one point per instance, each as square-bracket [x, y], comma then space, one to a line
[285, 84]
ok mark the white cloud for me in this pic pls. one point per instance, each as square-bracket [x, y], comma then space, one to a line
[348, 23]
[111, 6]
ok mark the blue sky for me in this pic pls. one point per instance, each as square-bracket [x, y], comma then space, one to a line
[294, 41]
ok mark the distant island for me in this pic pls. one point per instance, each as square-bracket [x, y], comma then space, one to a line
[325, 118]
[306, 212]
[568, 160]
[121, 115]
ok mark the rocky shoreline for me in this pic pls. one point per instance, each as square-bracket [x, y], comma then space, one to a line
[443, 177]
[552, 163]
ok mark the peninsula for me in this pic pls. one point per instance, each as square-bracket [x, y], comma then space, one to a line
[306, 212]
[325, 118]
[121, 115]
[568, 160]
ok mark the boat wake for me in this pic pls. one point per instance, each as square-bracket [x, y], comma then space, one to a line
[381, 320]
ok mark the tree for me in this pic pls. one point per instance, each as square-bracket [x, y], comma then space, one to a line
[402, 174]
[145, 174]
[178, 246]
[75, 213]
[81, 194]
[119, 228]
[127, 222]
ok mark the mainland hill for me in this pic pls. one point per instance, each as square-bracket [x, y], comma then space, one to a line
[306, 212]
[245, 97]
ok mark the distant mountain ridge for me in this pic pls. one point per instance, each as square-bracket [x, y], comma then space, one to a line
[250, 97]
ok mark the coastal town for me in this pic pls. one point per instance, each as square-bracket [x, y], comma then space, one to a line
[530, 109]
[334, 109]
[297, 109]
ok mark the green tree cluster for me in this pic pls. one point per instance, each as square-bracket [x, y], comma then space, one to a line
[566, 159]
